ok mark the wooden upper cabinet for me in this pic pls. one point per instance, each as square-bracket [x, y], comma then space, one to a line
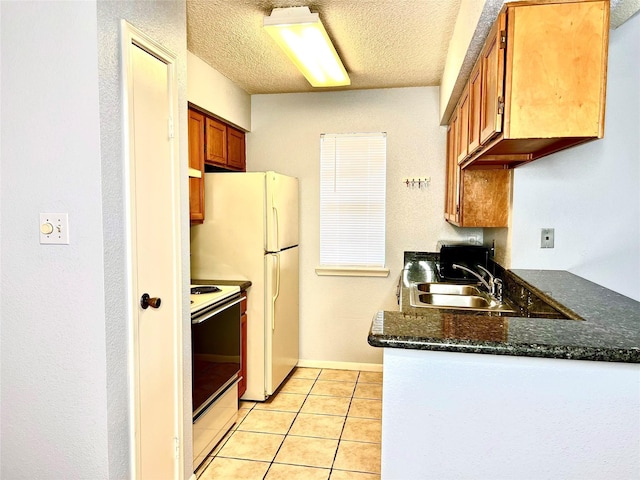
[213, 143]
[196, 162]
[216, 150]
[492, 81]
[475, 107]
[543, 82]
[235, 149]
[474, 197]
[570, 64]
[225, 146]
[462, 130]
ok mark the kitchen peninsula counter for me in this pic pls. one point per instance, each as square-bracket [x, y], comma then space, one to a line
[609, 331]
[479, 395]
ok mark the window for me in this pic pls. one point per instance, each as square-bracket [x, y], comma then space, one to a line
[352, 204]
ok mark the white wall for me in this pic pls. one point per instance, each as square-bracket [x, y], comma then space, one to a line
[54, 378]
[590, 194]
[64, 340]
[209, 89]
[336, 312]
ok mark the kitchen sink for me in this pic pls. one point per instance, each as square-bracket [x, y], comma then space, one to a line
[453, 296]
[465, 301]
[448, 288]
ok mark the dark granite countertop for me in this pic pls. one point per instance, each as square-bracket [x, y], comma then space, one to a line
[243, 284]
[609, 329]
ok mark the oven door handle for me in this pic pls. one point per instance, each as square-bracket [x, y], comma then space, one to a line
[216, 311]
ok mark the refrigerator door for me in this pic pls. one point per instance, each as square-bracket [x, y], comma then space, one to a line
[281, 308]
[281, 211]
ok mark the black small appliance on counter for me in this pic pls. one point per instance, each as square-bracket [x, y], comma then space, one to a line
[461, 254]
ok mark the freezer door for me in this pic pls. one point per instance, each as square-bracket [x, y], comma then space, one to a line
[282, 330]
[281, 211]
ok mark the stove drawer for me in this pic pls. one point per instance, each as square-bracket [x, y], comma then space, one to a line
[213, 424]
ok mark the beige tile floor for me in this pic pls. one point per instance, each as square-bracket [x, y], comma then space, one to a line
[321, 425]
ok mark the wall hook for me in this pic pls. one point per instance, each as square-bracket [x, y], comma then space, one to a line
[419, 182]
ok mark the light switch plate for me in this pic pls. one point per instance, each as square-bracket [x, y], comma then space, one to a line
[54, 229]
[546, 238]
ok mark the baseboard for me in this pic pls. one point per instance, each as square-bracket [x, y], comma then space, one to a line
[365, 367]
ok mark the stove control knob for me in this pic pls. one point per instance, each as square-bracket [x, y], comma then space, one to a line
[146, 301]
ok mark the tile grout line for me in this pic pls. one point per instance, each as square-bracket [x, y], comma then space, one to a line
[335, 455]
[291, 426]
[297, 412]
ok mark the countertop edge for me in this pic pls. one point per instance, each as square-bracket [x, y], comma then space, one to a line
[619, 355]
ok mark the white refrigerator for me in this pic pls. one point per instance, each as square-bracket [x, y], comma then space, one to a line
[250, 232]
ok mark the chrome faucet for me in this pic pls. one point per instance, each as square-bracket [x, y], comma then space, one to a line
[475, 274]
[495, 283]
[493, 286]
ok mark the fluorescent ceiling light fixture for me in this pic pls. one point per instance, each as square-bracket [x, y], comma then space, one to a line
[302, 36]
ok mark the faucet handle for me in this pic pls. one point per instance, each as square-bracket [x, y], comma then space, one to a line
[498, 287]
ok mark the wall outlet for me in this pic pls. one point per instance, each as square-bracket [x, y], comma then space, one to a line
[546, 238]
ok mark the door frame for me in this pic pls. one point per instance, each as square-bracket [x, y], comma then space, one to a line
[131, 37]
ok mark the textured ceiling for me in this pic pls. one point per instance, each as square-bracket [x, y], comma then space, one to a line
[383, 43]
[623, 10]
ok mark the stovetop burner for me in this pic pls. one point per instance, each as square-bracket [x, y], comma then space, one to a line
[203, 296]
[204, 289]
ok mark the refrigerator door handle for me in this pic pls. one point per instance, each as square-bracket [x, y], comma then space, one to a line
[275, 226]
[274, 297]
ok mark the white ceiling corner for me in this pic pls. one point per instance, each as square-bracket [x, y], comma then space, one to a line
[623, 10]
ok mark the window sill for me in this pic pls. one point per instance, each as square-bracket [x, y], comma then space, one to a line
[353, 271]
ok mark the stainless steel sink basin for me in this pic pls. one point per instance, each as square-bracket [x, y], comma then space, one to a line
[448, 288]
[452, 296]
[465, 301]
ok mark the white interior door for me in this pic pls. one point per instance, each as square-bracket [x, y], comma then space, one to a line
[282, 211]
[155, 255]
[282, 326]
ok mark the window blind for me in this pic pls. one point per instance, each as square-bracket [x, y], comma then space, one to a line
[352, 199]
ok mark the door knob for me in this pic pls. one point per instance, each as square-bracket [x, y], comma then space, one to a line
[146, 301]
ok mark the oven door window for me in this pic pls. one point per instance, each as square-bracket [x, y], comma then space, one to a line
[215, 348]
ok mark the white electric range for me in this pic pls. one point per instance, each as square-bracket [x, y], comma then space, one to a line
[215, 355]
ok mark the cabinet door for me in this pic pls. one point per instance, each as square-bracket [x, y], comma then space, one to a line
[484, 198]
[492, 85]
[216, 143]
[462, 142]
[196, 161]
[235, 149]
[555, 87]
[475, 107]
[452, 169]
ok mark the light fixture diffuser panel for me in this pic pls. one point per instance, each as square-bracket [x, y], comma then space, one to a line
[303, 38]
